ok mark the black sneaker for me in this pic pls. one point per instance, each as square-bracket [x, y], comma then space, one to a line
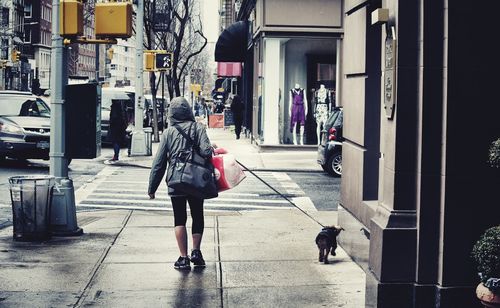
[197, 258]
[182, 263]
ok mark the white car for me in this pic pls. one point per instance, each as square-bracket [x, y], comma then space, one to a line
[24, 126]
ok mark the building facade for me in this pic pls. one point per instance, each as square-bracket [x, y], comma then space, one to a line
[290, 44]
[417, 191]
[38, 41]
[409, 87]
[14, 73]
[26, 25]
[121, 73]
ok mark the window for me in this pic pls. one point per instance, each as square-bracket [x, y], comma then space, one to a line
[4, 47]
[28, 10]
[113, 66]
[4, 17]
[27, 35]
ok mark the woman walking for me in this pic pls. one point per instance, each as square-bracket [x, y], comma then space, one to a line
[237, 108]
[117, 128]
[172, 143]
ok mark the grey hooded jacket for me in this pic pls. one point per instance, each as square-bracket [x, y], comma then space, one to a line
[172, 142]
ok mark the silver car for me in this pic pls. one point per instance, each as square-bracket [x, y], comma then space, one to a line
[24, 126]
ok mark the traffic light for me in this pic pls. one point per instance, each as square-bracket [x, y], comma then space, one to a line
[113, 19]
[149, 59]
[16, 55]
[163, 61]
[110, 51]
[71, 19]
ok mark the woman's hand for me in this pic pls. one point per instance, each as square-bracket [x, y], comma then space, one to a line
[151, 196]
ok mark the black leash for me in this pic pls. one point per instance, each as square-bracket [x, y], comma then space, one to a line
[276, 191]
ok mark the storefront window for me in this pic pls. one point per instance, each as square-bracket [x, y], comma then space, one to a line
[298, 88]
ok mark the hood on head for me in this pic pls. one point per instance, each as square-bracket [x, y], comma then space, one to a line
[180, 111]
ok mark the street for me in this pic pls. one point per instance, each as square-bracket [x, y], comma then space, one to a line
[101, 186]
[124, 257]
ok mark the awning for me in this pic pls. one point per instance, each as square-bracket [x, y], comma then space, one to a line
[229, 69]
[232, 43]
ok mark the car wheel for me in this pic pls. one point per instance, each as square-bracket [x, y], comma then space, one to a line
[334, 164]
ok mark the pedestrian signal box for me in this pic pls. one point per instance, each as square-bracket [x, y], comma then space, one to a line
[15, 55]
[71, 19]
[149, 61]
[164, 61]
[113, 19]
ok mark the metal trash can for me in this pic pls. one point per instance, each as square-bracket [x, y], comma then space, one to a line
[31, 197]
[148, 131]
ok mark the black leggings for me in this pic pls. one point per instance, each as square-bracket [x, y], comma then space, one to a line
[180, 215]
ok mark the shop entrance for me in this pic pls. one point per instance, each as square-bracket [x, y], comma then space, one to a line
[320, 71]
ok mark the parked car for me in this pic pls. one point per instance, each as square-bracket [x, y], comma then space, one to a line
[330, 147]
[24, 126]
[126, 97]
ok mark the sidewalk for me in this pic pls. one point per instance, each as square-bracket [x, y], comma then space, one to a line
[283, 158]
[125, 258]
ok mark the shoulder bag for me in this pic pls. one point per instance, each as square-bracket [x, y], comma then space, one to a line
[192, 174]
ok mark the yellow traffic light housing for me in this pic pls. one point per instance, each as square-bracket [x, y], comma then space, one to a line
[15, 55]
[71, 19]
[113, 19]
[110, 51]
[149, 61]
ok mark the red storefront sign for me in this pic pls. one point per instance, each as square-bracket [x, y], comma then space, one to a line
[229, 69]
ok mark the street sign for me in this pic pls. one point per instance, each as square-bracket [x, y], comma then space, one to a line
[161, 17]
[164, 61]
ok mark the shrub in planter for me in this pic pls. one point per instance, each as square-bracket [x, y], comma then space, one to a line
[486, 254]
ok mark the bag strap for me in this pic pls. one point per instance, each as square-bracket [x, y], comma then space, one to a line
[188, 138]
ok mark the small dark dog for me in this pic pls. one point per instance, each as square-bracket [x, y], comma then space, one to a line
[327, 242]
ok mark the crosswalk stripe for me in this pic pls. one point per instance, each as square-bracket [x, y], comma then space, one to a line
[302, 201]
[164, 192]
[149, 201]
[122, 188]
[207, 204]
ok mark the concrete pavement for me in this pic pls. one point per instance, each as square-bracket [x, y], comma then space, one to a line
[278, 158]
[125, 257]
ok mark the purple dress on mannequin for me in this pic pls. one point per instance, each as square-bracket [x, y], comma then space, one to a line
[298, 112]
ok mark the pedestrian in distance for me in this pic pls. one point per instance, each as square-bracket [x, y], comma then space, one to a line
[117, 128]
[171, 145]
[237, 108]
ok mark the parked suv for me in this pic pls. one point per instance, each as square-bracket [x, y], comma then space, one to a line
[24, 126]
[330, 147]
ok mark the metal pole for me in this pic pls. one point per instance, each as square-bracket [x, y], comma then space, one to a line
[63, 209]
[162, 100]
[138, 146]
[97, 63]
[58, 163]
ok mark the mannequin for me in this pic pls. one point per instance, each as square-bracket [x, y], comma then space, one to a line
[297, 112]
[323, 104]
